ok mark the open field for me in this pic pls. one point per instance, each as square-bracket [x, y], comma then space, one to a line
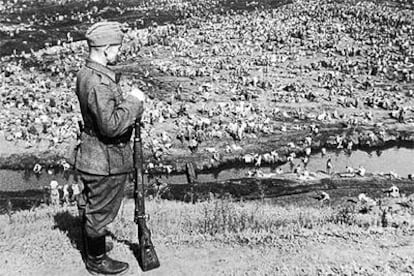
[221, 237]
[223, 85]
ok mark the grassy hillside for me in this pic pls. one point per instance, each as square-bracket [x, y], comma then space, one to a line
[222, 237]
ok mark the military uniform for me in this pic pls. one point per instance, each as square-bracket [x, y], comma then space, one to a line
[104, 156]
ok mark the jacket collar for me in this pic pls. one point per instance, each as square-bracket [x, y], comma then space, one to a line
[102, 69]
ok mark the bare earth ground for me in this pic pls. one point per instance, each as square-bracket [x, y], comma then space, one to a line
[39, 243]
[330, 256]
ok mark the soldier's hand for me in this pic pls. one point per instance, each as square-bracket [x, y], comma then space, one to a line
[137, 93]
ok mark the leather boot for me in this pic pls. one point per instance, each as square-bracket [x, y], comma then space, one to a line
[97, 262]
[108, 245]
[83, 234]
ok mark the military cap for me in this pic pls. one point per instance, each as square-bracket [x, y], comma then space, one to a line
[105, 33]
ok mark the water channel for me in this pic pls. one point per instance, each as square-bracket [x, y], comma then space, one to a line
[24, 188]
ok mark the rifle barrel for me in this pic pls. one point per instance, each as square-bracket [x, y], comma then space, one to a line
[138, 173]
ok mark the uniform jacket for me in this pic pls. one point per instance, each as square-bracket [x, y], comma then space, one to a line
[108, 119]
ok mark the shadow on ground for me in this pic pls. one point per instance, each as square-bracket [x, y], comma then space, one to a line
[67, 222]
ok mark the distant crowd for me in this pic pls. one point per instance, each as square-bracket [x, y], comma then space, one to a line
[56, 194]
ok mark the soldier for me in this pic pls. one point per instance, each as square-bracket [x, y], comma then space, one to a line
[104, 156]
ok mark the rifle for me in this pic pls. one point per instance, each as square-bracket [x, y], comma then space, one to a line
[147, 257]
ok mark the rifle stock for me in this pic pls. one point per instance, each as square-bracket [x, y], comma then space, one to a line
[147, 257]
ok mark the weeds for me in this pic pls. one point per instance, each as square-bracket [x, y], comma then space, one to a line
[46, 234]
[345, 215]
[223, 220]
[228, 221]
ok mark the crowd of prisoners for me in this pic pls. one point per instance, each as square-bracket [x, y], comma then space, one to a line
[219, 79]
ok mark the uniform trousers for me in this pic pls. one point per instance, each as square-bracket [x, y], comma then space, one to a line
[100, 200]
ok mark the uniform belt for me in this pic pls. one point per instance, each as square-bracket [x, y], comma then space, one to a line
[107, 140]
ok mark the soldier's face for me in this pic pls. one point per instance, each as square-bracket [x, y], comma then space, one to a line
[112, 53]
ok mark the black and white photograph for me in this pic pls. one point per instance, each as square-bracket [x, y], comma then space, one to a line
[207, 137]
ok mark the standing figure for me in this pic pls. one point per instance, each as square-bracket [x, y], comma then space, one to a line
[104, 157]
[76, 192]
[60, 191]
[66, 194]
[54, 192]
[297, 170]
[305, 161]
[291, 163]
[329, 166]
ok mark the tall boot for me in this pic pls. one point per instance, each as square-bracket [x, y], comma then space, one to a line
[108, 245]
[82, 249]
[97, 262]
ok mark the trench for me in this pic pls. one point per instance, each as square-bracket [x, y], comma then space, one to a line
[394, 165]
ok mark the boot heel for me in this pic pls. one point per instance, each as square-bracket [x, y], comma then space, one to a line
[97, 262]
